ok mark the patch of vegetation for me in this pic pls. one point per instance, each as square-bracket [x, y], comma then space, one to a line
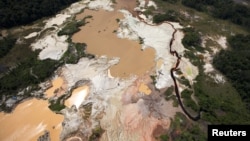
[192, 40]
[153, 77]
[75, 52]
[175, 101]
[29, 72]
[170, 15]
[220, 103]
[149, 10]
[141, 41]
[87, 110]
[70, 28]
[184, 81]
[114, 1]
[6, 44]
[16, 12]
[169, 92]
[186, 95]
[73, 27]
[194, 58]
[181, 129]
[58, 104]
[170, 95]
[234, 64]
[164, 138]
[96, 134]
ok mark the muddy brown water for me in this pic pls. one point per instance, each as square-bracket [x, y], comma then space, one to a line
[57, 83]
[28, 121]
[100, 37]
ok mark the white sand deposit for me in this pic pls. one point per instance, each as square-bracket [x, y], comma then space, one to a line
[31, 35]
[157, 37]
[58, 20]
[105, 94]
[101, 4]
[152, 3]
[77, 97]
[53, 46]
[188, 69]
[86, 69]
[222, 41]
[101, 86]
[209, 68]
[143, 5]
[177, 43]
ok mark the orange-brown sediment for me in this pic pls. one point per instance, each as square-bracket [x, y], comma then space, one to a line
[28, 121]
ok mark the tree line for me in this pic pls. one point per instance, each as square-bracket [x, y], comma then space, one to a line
[234, 64]
[223, 9]
[20, 12]
[6, 44]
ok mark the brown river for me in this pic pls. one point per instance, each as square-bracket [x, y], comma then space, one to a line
[32, 117]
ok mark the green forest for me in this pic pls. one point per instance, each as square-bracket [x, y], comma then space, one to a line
[235, 65]
[20, 12]
[223, 9]
[6, 45]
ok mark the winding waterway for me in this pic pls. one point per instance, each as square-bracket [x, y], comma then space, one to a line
[173, 52]
[175, 68]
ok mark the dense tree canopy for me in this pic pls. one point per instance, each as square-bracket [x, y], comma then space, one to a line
[19, 12]
[223, 9]
[234, 63]
[6, 44]
[170, 15]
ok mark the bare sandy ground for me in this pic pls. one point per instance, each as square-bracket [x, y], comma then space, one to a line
[78, 96]
[28, 121]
